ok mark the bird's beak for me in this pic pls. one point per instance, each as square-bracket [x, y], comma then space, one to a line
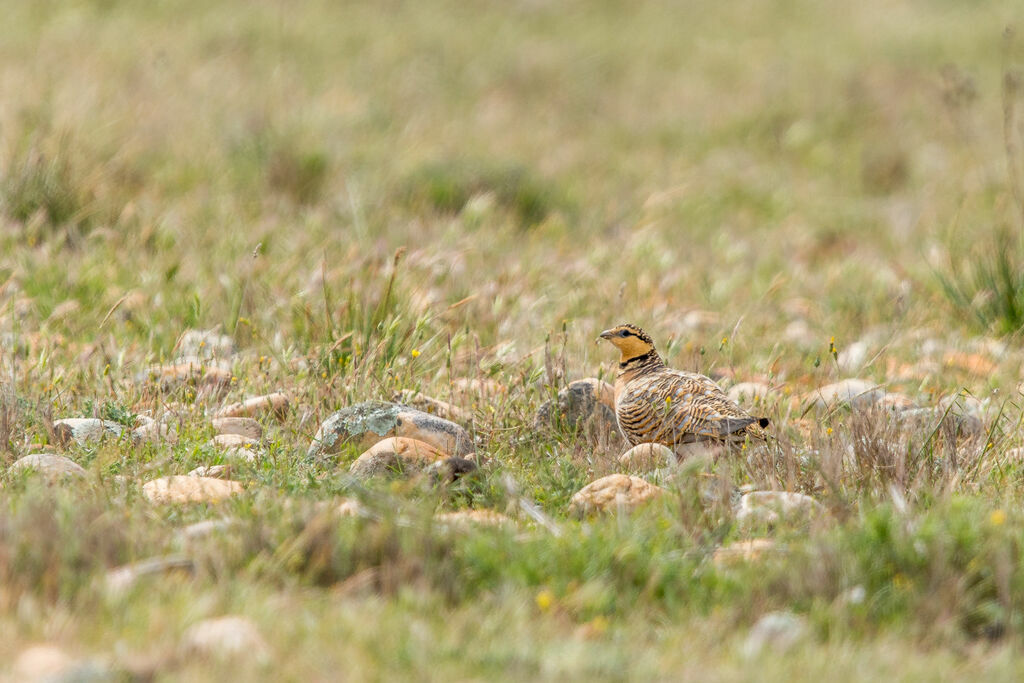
[607, 334]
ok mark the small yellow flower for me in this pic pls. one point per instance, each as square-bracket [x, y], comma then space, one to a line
[324, 374]
[599, 624]
[997, 518]
[415, 353]
[545, 599]
[829, 431]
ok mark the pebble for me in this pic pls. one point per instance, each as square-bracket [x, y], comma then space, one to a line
[742, 551]
[585, 403]
[49, 663]
[432, 405]
[243, 426]
[186, 489]
[952, 421]
[276, 404]
[647, 456]
[468, 519]
[857, 393]
[233, 441]
[207, 527]
[84, 430]
[394, 455]
[364, 424]
[52, 467]
[213, 471]
[765, 508]
[613, 493]
[749, 393]
[777, 631]
[226, 638]
[123, 578]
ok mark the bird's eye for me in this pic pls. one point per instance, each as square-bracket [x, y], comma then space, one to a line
[623, 333]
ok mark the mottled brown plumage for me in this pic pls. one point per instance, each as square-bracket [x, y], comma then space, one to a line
[654, 403]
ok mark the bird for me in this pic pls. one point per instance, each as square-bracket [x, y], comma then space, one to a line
[656, 404]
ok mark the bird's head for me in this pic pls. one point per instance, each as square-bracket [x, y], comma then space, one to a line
[630, 340]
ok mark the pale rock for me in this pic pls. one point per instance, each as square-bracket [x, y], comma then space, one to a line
[395, 455]
[186, 489]
[857, 393]
[225, 638]
[766, 508]
[775, 631]
[85, 430]
[243, 426]
[742, 551]
[205, 528]
[213, 471]
[749, 393]
[52, 467]
[895, 402]
[647, 456]
[152, 431]
[613, 493]
[233, 441]
[124, 578]
[42, 663]
[952, 422]
[275, 404]
[432, 405]
[364, 424]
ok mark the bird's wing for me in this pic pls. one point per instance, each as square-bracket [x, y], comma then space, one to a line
[674, 406]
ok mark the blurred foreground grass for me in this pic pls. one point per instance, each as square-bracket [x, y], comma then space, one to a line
[378, 196]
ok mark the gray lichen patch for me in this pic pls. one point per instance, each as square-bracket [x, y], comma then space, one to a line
[362, 423]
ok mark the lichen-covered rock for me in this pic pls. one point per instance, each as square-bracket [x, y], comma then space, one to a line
[742, 551]
[647, 456]
[857, 393]
[186, 489]
[269, 404]
[364, 424]
[123, 578]
[226, 638]
[52, 467]
[613, 493]
[243, 426]
[429, 404]
[467, 519]
[85, 430]
[395, 456]
[749, 393]
[583, 404]
[766, 508]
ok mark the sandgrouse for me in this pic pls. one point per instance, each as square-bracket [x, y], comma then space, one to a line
[654, 403]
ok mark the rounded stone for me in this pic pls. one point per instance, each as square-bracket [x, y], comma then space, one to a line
[364, 424]
[766, 508]
[226, 637]
[85, 430]
[613, 493]
[857, 393]
[269, 404]
[51, 466]
[186, 489]
[242, 426]
[585, 403]
[647, 456]
[395, 455]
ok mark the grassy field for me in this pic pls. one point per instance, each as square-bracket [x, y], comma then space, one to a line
[371, 197]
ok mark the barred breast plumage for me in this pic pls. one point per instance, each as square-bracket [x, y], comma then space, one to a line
[654, 403]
